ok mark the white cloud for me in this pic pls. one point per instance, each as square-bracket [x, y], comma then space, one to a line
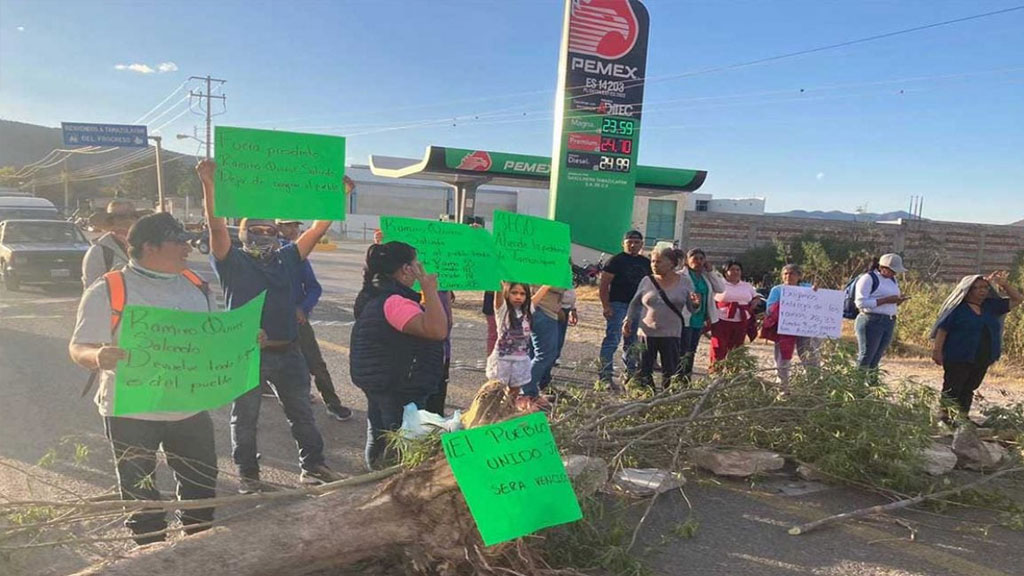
[20, 28]
[147, 69]
[820, 176]
[140, 68]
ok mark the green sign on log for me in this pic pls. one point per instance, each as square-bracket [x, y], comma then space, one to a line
[512, 477]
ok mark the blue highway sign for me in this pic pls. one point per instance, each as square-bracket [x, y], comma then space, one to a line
[121, 135]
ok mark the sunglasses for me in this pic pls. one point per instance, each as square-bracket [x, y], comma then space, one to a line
[262, 230]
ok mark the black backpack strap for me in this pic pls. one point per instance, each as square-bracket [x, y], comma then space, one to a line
[665, 299]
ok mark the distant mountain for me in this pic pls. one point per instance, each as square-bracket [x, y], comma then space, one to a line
[1018, 223]
[847, 216]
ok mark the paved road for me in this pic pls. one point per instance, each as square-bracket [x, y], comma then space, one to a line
[742, 531]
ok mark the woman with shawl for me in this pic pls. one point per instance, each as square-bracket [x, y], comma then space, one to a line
[968, 336]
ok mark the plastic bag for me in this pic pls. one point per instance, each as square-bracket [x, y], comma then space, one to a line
[417, 423]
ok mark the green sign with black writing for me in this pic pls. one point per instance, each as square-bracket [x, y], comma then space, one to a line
[533, 250]
[463, 257]
[512, 477]
[271, 174]
[186, 361]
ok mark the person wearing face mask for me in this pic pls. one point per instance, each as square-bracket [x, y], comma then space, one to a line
[263, 265]
[397, 355]
[706, 282]
[110, 251]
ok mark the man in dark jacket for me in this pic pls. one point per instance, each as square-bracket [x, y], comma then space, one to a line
[307, 294]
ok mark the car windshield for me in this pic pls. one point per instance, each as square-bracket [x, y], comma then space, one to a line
[61, 232]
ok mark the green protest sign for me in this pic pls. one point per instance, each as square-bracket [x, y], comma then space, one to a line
[533, 250]
[186, 361]
[512, 477]
[463, 257]
[271, 174]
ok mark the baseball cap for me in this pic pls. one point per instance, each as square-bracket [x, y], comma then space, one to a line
[633, 235]
[892, 261]
[157, 229]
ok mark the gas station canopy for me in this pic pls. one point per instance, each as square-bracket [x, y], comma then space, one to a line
[462, 168]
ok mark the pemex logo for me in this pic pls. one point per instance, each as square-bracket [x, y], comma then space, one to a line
[604, 28]
[478, 161]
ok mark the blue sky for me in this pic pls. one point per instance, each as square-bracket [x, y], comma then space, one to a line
[937, 113]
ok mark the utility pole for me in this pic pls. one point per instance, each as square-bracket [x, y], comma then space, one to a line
[209, 98]
[159, 176]
[67, 193]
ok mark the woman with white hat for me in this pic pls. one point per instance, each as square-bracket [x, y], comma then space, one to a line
[877, 296]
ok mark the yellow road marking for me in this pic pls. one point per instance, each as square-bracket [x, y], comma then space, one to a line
[333, 346]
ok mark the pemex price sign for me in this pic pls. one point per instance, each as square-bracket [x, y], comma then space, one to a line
[598, 107]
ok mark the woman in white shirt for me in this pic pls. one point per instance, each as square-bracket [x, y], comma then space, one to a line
[734, 315]
[877, 296]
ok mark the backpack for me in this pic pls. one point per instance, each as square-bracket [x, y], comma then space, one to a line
[118, 297]
[850, 310]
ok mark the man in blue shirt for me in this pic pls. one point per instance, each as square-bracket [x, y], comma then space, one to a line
[307, 294]
[263, 265]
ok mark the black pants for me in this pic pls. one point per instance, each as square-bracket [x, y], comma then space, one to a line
[437, 400]
[189, 447]
[317, 366]
[689, 340]
[668, 349]
[960, 380]
[384, 414]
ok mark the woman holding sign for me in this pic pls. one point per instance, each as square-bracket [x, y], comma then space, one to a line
[397, 353]
[785, 345]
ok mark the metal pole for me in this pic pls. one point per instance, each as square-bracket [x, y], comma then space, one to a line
[159, 176]
[67, 193]
[208, 116]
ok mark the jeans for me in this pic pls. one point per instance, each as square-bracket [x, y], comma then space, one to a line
[544, 335]
[563, 330]
[288, 375]
[807, 349]
[689, 340]
[189, 447]
[667, 348]
[492, 333]
[317, 366]
[874, 333]
[435, 402]
[612, 337]
[384, 414]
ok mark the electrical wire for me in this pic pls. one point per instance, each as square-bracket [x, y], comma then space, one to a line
[162, 102]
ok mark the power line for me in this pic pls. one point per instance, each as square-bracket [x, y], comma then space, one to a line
[162, 102]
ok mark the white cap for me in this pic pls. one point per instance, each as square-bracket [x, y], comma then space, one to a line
[892, 261]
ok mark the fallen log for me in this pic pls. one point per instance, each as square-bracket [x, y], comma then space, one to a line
[419, 514]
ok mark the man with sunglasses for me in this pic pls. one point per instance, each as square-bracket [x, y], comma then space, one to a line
[262, 264]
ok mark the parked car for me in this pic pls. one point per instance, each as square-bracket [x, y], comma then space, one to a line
[43, 251]
[21, 208]
[201, 239]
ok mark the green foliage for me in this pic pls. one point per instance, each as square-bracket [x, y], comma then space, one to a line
[597, 542]
[414, 451]
[829, 261]
[686, 530]
[761, 264]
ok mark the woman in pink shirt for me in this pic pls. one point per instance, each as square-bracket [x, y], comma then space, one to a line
[734, 312]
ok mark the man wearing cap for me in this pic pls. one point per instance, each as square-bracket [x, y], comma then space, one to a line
[307, 294]
[619, 280]
[155, 276]
[877, 296]
[262, 264]
[110, 251]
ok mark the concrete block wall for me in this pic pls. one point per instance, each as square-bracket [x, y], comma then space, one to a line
[944, 250]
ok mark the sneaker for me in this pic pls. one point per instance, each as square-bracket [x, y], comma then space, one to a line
[339, 412]
[525, 404]
[320, 474]
[247, 485]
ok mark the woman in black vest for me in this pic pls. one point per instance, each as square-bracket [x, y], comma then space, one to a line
[397, 353]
